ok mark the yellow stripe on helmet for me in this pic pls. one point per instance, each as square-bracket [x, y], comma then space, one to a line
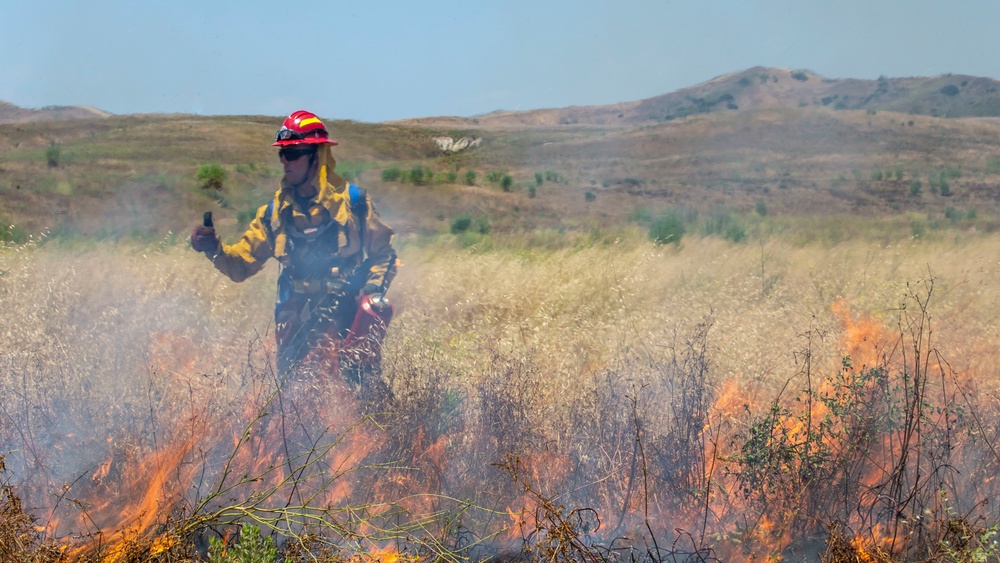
[309, 121]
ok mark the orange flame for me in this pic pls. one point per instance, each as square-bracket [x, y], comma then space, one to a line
[388, 554]
[862, 337]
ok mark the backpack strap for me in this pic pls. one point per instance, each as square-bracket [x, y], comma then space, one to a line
[359, 207]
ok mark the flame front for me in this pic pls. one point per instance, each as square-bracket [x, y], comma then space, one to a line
[747, 481]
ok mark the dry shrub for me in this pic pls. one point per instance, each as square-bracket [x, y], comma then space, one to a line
[505, 400]
[17, 536]
[885, 449]
[843, 547]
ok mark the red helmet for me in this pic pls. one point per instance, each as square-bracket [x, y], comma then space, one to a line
[302, 127]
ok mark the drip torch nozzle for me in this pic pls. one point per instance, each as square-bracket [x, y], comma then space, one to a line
[207, 220]
[378, 301]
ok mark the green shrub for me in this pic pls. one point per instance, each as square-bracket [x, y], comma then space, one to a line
[952, 214]
[949, 90]
[915, 186]
[724, 224]
[52, 154]
[482, 225]
[391, 174]
[461, 224]
[589, 196]
[506, 182]
[250, 548]
[212, 176]
[469, 178]
[667, 228]
[800, 76]
[761, 207]
[494, 176]
[418, 175]
[552, 176]
[532, 191]
[472, 232]
[993, 166]
[539, 178]
[717, 222]
[935, 183]
[734, 232]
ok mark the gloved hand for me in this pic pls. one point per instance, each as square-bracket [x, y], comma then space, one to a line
[204, 239]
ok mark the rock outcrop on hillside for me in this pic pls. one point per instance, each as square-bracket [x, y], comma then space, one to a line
[451, 146]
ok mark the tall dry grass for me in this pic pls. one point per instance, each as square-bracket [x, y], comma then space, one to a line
[622, 379]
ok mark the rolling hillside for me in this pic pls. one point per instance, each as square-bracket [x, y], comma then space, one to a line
[769, 88]
[794, 146]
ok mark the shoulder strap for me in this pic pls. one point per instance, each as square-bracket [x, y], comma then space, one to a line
[359, 207]
[359, 203]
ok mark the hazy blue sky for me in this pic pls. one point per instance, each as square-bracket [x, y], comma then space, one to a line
[378, 60]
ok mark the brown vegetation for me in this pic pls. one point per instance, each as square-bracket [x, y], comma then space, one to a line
[658, 402]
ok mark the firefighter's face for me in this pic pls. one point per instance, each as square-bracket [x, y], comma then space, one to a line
[296, 160]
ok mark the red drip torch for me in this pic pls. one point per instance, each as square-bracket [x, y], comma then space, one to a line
[363, 344]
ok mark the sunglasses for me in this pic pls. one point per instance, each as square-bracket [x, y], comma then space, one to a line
[294, 154]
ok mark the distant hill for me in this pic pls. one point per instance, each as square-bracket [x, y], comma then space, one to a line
[763, 143]
[950, 95]
[10, 113]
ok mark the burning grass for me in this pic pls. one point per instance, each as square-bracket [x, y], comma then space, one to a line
[614, 402]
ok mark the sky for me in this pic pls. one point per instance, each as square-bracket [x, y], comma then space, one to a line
[382, 60]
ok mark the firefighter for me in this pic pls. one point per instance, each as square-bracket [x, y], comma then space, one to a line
[334, 253]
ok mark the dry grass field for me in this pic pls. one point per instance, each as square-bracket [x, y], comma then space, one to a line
[566, 359]
[808, 374]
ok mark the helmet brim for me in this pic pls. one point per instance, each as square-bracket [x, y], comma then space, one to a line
[308, 141]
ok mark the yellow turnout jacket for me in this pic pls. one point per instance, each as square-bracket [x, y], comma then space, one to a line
[356, 237]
